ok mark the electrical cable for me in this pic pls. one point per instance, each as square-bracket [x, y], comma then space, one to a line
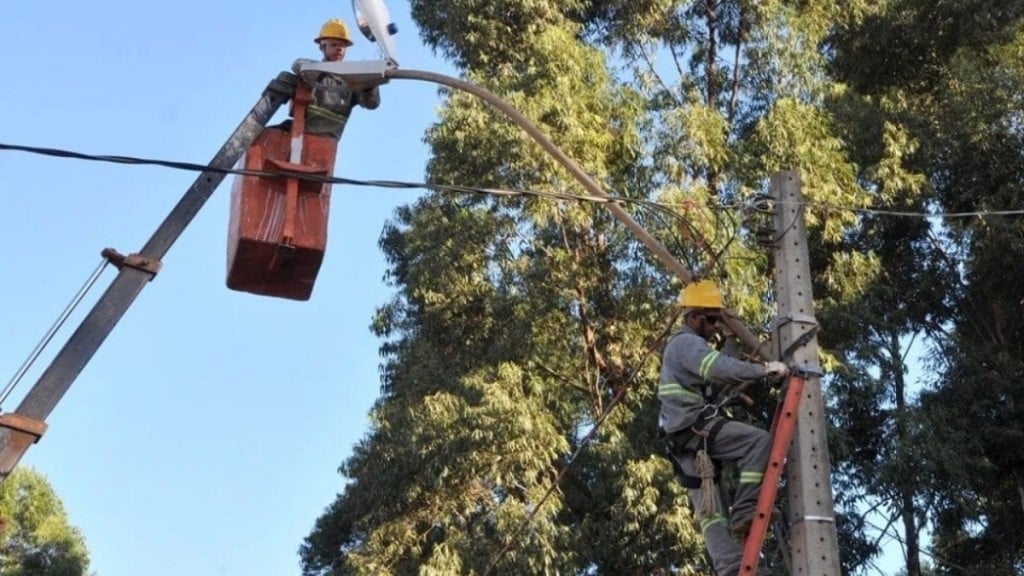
[189, 166]
[908, 214]
[55, 152]
[653, 207]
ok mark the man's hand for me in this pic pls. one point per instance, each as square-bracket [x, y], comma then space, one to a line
[724, 329]
[297, 65]
[776, 369]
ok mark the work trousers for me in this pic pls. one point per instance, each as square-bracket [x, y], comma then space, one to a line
[749, 447]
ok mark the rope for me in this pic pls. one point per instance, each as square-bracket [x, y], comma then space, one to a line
[52, 331]
[708, 505]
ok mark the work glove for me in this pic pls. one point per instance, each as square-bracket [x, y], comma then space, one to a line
[775, 369]
[297, 65]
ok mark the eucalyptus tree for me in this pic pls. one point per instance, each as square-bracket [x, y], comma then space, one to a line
[522, 323]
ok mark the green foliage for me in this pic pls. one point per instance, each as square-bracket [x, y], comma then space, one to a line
[946, 79]
[517, 323]
[36, 538]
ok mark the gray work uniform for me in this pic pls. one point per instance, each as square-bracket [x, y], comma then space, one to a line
[690, 369]
[332, 102]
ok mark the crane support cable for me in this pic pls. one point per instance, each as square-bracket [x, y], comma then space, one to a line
[61, 319]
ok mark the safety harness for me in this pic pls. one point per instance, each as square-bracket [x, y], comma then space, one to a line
[678, 443]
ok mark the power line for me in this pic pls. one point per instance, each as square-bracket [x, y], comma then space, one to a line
[189, 166]
[654, 207]
[660, 207]
[908, 214]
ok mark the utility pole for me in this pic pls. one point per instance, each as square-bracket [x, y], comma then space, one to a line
[813, 543]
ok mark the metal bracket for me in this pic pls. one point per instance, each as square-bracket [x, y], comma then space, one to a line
[799, 318]
[24, 424]
[809, 367]
[801, 341]
[137, 261]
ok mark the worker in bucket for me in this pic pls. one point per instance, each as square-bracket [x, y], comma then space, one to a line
[698, 437]
[333, 96]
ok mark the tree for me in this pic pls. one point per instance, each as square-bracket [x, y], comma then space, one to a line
[519, 322]
[949, 76]
[36, 538]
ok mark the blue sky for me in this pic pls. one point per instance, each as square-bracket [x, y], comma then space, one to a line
[205, 435]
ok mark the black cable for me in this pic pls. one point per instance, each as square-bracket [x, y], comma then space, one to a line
[131, 160]
[55, 152]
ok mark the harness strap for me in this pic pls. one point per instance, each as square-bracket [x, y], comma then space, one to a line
[713, 430]
[676, 443]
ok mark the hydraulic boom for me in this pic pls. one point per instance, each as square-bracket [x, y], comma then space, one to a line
[23, 427]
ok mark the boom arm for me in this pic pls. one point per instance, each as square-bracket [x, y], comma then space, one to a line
[22, 428]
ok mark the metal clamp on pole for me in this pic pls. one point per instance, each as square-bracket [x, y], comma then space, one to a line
[138, 261]
[810, 324]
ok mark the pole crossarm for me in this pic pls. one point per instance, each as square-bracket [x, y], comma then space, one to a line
[659, 250]
[545, 142]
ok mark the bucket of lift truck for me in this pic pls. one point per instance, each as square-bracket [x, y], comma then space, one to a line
[278, 225]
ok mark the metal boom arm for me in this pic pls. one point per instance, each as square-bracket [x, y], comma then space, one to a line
[23, 427]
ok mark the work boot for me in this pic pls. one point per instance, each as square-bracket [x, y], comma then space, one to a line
[741, 528]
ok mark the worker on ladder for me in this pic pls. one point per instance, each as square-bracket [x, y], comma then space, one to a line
[333, 96]
[697, 436]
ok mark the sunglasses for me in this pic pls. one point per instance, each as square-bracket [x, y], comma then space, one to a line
[710, 318]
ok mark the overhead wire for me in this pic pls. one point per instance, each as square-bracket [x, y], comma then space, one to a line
[674, 240]
[910, 214]
[610, 199]
[642, 204]
[189, 166]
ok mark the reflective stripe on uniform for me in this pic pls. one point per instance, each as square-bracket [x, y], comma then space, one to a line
[751, 477]
[325, 113]
[709, 522]
[672, 389]
[705, 364]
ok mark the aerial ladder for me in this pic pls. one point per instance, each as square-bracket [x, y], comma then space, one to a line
[277, 230]
[26, 425]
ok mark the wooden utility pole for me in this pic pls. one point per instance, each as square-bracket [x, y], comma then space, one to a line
[813, 543]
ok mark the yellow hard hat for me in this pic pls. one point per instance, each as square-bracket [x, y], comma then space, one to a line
[334, 29]
[702, 294]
